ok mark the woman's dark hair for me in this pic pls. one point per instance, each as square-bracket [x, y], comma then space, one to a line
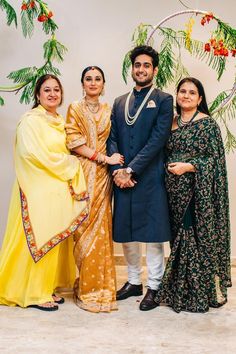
[145, 49]
[39, 83]
[202, 107]
[92, 68]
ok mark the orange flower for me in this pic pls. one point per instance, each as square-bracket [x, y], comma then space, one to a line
[32, 4]
[207, 47]
[42, 18]
[24, 6]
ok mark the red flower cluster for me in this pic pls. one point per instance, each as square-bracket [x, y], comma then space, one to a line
[219, 48]
[44, 17]
[207, 18]
[24, 6]
[233, 52]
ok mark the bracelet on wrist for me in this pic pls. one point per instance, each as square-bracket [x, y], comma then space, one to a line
[101, 158]
[94, 156]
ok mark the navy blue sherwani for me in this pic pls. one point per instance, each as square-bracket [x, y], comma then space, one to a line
[141, 213]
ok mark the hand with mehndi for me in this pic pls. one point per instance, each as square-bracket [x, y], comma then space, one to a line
[123, 179]
[115, 159]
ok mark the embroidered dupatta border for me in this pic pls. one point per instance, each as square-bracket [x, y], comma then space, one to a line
[79, 197]
[36, 253]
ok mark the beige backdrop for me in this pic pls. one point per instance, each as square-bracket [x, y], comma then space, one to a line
[99, 33]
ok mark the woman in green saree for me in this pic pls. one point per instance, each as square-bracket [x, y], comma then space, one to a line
[198, 269]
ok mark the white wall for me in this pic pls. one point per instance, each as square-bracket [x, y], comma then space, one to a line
[99, 33]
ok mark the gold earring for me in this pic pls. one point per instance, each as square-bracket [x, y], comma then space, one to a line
[83, 92]
[103, 91]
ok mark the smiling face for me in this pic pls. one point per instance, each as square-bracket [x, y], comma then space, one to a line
[143, 71]
[93, 83]
[50, 95]
[188, 96]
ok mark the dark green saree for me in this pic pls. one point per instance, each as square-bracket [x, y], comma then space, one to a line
[198, 269]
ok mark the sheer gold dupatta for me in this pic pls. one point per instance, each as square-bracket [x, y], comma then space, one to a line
[95, 288]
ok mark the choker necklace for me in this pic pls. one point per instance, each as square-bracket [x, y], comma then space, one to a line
[130, 120]
[181, 123]
[93, 107]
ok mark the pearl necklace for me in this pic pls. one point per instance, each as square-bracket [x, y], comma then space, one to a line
[130, 120]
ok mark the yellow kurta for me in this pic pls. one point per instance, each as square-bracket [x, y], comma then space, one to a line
[48, 204]
[95, 289]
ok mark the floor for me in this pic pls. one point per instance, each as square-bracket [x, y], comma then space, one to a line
[128, 330]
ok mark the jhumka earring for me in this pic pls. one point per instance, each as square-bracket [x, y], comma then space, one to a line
[83, 92]
[103, 91]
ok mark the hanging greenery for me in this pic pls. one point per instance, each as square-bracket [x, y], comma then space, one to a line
[32, 13]
[221, 46]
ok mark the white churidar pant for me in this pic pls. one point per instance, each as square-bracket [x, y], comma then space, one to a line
[154, 260]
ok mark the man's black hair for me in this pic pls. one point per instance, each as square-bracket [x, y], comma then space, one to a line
[145, 49]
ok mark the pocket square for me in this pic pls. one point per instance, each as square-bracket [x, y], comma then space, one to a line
[151, 104]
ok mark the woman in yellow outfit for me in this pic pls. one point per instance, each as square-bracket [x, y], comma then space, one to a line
[88, 126]
[48, 204]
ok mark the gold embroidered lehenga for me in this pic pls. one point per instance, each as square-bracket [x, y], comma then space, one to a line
[95, 288]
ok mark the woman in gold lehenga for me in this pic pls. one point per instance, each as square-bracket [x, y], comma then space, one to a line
[87, 128]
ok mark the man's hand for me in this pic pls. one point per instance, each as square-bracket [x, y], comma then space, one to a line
[123, 179]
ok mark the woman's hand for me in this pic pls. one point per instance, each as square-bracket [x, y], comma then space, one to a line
[115, 159]
[179, 168]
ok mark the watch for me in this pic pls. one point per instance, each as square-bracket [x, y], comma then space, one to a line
[129, 170]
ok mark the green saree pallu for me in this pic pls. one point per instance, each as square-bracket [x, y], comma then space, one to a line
[198, 269]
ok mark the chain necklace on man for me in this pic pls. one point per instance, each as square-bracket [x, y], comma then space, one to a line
[130, 120]
[93, 107]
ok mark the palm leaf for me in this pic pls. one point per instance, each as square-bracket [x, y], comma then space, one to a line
[180, 70]
[139, 36]
[23, 75]
[1, 101]
[27, 23]
[217, 101]
[54, 50]
[11, 14]
[49, 26]
[26, 95]
[125, 66]
[166, 65]
[226, 33]
[230, 141]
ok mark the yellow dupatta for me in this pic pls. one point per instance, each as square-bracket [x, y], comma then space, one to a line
[52, 185]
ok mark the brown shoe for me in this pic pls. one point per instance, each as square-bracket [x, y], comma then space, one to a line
[128, 290]
[148, 302]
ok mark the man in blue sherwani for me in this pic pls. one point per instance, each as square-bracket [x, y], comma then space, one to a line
[141, 124]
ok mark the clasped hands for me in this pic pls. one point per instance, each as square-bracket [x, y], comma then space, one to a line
[179, 168]
[123, 179]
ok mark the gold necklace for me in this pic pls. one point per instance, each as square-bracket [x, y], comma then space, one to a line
[93, 107]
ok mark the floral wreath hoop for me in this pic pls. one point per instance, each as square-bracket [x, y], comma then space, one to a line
[221, 45]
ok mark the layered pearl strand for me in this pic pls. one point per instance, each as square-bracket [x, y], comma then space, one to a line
[130, 120]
